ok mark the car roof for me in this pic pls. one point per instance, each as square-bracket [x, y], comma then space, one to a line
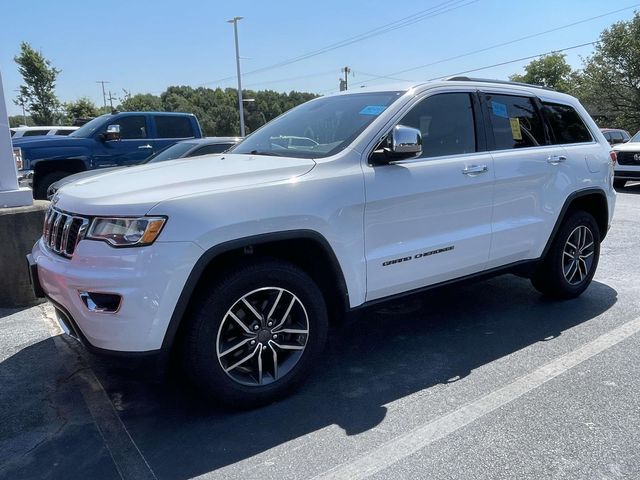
[43, 127]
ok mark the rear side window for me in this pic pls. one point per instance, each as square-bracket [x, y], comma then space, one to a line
[63, 132]
[446, 123]
[208, 149]
[169, 126]
[515, 122]
[34, 133]
[566, 124]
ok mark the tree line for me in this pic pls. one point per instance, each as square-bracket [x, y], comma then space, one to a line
[608, 84]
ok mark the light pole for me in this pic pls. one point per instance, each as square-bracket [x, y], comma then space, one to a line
[234, 20]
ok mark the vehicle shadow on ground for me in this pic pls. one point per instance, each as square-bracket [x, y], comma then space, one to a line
[384, 354]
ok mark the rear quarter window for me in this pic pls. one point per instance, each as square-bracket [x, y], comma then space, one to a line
[566, 124]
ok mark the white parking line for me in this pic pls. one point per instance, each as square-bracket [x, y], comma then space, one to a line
[126, 455]
[401, 447]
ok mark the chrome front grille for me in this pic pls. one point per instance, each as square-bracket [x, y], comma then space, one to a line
[63, 231]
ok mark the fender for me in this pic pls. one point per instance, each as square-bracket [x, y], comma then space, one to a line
[217, 250]
[565, 207]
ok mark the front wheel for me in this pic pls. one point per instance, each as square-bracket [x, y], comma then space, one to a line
[572, 259]
[256, 334]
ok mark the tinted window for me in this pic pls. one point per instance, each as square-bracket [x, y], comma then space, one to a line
[63, 132]
[132, 127]
[617, 136]
[446, 123]
[625, 136]
[567, 125]
[177, 150]
[34, 133]
[515, 122]
[216, 148]
[607, 136]
[169, 126]
[13, 133]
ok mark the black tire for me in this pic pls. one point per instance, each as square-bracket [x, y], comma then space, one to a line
[619, 184]
[41, 185]
[205, 331]
[550, 277]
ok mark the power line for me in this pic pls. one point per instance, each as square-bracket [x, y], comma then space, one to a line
[439, 9]
[515, 60]
[104, 94]
[503, 44]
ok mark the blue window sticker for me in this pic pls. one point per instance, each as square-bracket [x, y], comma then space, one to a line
[499, 109]
[373, 110]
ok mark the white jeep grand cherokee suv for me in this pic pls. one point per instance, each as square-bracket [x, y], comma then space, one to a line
[241, 259]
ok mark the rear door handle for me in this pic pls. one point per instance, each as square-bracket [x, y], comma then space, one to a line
[556, 159]
[473, 170]
[145, 147]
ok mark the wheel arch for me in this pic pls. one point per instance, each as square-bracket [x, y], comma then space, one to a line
[591, 200]
[307, 249]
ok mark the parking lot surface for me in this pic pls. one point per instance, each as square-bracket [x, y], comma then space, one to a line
[474, 381]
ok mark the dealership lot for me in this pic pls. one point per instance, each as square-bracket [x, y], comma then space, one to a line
[483, 380]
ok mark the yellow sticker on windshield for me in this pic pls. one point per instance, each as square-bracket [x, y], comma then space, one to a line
[515, 128]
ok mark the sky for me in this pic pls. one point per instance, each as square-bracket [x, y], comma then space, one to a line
[144, 46]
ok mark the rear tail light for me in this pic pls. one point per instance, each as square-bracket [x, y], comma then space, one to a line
[614, 157]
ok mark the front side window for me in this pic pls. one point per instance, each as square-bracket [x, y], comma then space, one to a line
[515, 122]
[34, 133]
[170, 126]
[318, 128]
[567, 126]
[446, 123]
[133, 127]
[63, 132]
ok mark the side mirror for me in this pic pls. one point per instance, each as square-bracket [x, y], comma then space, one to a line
[404, 142]
[112, 133]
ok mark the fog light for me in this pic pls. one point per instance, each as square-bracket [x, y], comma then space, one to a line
[101, 302]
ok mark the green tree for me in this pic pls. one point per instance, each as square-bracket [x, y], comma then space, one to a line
[611, 76]
[549, 71]
[38, 90]
[81, 108]
[18, 120]
[141, 102]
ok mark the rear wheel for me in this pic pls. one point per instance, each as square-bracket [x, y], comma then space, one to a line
[572, 259]
[256, 335]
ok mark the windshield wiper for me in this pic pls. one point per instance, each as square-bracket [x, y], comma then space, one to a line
[264, 152]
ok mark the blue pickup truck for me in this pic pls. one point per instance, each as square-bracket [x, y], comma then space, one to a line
[117, 139]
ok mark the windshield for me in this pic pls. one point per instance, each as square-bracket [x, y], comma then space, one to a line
[319, 128]
[89, 128]
[174, 151]
[635, 138]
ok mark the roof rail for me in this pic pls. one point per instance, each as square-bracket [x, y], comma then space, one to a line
[502, 82]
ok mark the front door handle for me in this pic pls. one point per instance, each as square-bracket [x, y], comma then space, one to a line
[556, 159]
[145, 147]
[473, 170]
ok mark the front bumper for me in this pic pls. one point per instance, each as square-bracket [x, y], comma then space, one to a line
[149, 280]
[25, 178]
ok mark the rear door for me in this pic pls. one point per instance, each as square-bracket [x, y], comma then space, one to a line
[428, 219]
[169, 129]
[528, 171]
[132, 147]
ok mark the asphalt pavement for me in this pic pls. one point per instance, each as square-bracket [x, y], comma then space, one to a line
[475, 381]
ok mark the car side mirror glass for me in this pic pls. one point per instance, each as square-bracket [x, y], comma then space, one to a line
[112, 133]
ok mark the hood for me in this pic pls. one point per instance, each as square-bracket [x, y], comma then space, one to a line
[47, 141]
[627, 147]
[135, 190]
[80, 175]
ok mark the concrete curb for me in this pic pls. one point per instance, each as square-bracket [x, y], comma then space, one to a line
[20, 227]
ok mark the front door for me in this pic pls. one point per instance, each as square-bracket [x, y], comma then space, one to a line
[132, 147]
[428, 219]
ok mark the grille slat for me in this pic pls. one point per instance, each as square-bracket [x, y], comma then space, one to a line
[62, 231]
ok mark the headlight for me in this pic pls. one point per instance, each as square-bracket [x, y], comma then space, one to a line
[17, 156]
[126, 232]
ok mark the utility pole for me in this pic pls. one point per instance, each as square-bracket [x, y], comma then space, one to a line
[234, 20]
[344, 84]
[104, 94]
[21, 103]
[111, 99]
